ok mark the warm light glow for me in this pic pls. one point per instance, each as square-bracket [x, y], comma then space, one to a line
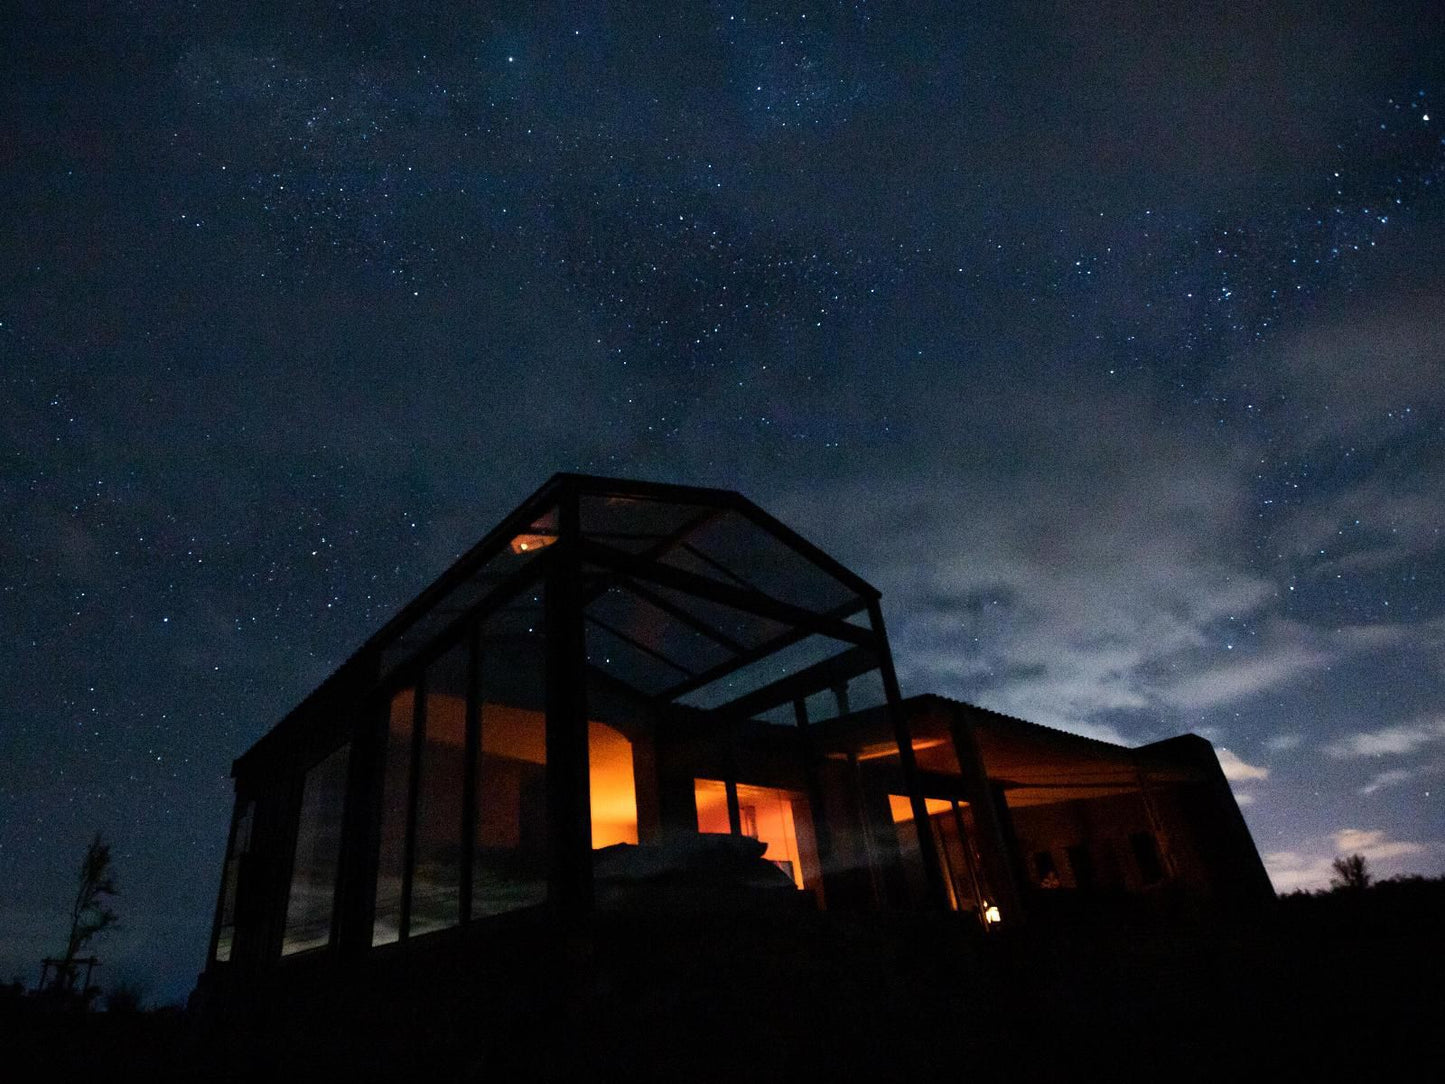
[614, 791]
[991, 914]
[529, 543]
[890, 749]
[711, 796]
[519, 734]
[902, 808]
[766, 814]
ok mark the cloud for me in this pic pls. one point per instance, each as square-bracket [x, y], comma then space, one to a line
[1391, 740]
[1387, 779]
[1291, 652]
[1370, 375]
[1291, 870]
[1246, 676]
[1243, 798]
[1374, 844]
[1283, 743]
[1054, 569]
[1236, 770]
[1370, 526]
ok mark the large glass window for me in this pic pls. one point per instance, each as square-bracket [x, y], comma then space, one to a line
[613, 786]
[395, 788]
[711, 796]
[437, 867]
[509, 862]
[231, 879]
[781, 819]
[952, 828]
[312, 899]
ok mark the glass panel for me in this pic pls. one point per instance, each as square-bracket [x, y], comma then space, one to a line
[230, 880]
[780, 664]
[941, 824]
[613, 788]
[312, 898]
[437, 868]
[628, 663]
[745, 629]
[657, 630]
[711, 796]
[732, 548]
[472, 591]
[866, 691]
[774, 817]
[782, 715]
[509, 865]
[386, 926]
[635, 523]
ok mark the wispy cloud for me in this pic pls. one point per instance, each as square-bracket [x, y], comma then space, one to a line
[1245, 676]
[1391, 778]
[1236, 770]
[1368, 374]
[1291, 870]
[1374, 844]
[1396, 740]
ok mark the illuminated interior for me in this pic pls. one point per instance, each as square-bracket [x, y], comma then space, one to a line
[779, 818]
[949, 823]
[509, 862]
[614, 789]
[711, 796]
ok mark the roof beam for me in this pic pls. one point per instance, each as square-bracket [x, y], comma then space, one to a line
[753, 602]
[815, 678]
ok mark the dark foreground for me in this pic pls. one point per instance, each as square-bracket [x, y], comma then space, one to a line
[1322, 985]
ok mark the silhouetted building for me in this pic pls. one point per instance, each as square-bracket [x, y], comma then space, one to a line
[650, 700]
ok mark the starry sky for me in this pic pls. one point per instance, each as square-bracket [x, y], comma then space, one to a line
[1107, 343]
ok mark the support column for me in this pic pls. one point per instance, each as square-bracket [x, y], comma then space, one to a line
[933, 874]
[569, 807]
[997, 847]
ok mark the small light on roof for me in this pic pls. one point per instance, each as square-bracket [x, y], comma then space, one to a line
[529, 543]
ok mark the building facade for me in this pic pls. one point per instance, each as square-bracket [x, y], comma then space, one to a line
[633, 698]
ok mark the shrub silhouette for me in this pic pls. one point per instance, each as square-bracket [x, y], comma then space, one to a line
[1352, 873]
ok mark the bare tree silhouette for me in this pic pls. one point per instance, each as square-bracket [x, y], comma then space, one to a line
[1352, 873]
[90, 913]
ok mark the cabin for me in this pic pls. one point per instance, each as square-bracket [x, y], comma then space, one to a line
[645, 705]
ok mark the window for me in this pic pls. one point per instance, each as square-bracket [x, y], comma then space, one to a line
[230, 880]
[781, 819]
[395, 788]
[312, 899]
[509, 864]
[436, 878]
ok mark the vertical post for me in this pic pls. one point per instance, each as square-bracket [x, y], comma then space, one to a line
[221, 895]
[933, 875]
[998, 848]
[735, 811]
[569, 812]
[471, 758]
[413, 799]
[822, 831]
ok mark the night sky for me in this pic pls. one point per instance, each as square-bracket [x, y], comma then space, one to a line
[1109, 345]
